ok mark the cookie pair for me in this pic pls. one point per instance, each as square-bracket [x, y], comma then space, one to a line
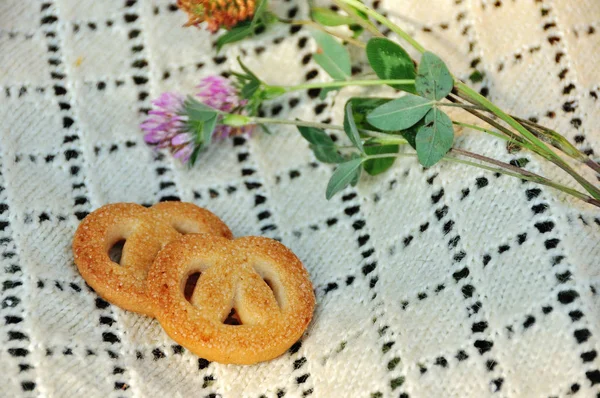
[252, 300]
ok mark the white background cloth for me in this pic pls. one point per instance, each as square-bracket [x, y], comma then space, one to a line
[430, 283]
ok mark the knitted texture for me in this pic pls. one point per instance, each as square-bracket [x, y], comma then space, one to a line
[445, 282]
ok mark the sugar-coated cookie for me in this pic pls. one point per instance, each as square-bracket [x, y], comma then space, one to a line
[145, 231]
[259, 278]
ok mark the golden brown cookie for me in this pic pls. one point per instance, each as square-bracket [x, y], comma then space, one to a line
[187, 218]
[260, 279]
[145, 232]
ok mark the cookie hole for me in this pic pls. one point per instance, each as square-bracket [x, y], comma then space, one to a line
[233, 318]
[274, 290]
[182, 229]
[190, 285]
[116, 251]
[270, 284]
[187, 226]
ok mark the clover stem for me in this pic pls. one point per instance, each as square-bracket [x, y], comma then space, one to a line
[552, 156]
[535, 178]
[375, 134]
[558, 141]
[482, 129]
[485, 118]
[386, 141]
[386, 22]
[495, 162]
[545, 134]
[359, 21]
[592, 165]
[334, 84]
[383, 136]
[483, 101]
[268, 120]
[513, 137]
[503, 168]
[315, 25]
[459, 105]
[375, 143]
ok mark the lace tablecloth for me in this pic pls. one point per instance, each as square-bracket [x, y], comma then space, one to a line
[446, 282]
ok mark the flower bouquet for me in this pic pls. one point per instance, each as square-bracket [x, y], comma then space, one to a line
[413, 123]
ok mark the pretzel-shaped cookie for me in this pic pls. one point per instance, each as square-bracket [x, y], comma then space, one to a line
[145, 232]
[187, 218]
[259, 278]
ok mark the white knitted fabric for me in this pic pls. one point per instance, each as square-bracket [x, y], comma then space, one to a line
[446, 282]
